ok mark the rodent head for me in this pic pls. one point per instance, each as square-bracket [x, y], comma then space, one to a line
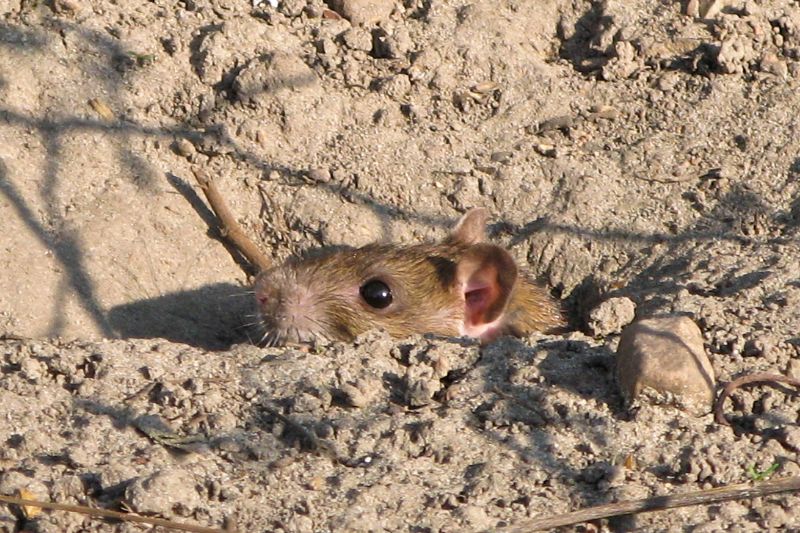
[460, 286]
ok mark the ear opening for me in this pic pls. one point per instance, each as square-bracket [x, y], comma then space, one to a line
[471, 227]
[486, 276]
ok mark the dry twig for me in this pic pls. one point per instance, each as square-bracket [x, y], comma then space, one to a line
[105, 513]
[658, 503]
[230, 229]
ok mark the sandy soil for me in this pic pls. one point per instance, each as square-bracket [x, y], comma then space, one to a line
[626, 149]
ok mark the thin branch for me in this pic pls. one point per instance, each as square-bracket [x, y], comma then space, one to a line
[105, 513]
[759, 377]
[230, 229]
[658, 503]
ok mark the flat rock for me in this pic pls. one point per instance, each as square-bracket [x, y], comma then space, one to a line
[665, 356]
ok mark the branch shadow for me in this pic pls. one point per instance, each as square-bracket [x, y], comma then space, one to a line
[66, 250]
[170, 315]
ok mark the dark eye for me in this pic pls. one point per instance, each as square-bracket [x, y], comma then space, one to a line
[376, 293]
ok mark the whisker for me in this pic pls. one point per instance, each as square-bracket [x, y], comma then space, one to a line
[316, 321]
[258, 329]
[296, 332]
[239, 295]
[275, 339]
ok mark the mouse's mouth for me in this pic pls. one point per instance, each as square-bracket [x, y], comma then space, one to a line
[276, 337]
[283, 329]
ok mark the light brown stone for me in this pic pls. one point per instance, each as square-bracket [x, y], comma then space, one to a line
[666, 356]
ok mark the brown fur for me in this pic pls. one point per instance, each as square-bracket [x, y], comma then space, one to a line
[422, 279]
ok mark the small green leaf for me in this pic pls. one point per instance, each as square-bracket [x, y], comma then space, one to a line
[755, 475]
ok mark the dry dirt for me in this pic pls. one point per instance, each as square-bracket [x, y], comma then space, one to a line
[626, 149]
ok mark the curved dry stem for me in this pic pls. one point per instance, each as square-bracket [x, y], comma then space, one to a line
[229, 228]
[759, 377]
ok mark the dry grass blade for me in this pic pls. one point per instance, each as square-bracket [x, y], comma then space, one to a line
[102, 109]
[658, 503]
[105, 513]
[231, 229]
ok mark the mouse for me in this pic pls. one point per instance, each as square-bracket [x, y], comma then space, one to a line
[461, 286]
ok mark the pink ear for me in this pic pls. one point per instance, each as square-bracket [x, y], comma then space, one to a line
[486, 275]
[471, 228]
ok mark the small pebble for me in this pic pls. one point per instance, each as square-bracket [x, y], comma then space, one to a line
[710, 8]
[353, 396]
[66, 6]
[364, 12]
[772, 64]
[790, 436]
[327, 47]
[545, 149]
[562, 122]
[475, 516]
[165, 492]
[358, 39]
[313, 12]
[319, 175]
[485, 87]
[396, 86]
[793, 368]
[32, 369]
[501, 157]
[184, 148]
[606, 112]
[611, 316]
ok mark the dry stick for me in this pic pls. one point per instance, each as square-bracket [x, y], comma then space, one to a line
[228, 226]
[759, 377]
[105, 513]
[658, 503]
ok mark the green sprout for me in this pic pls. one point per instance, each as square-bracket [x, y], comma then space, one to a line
[755, 475]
